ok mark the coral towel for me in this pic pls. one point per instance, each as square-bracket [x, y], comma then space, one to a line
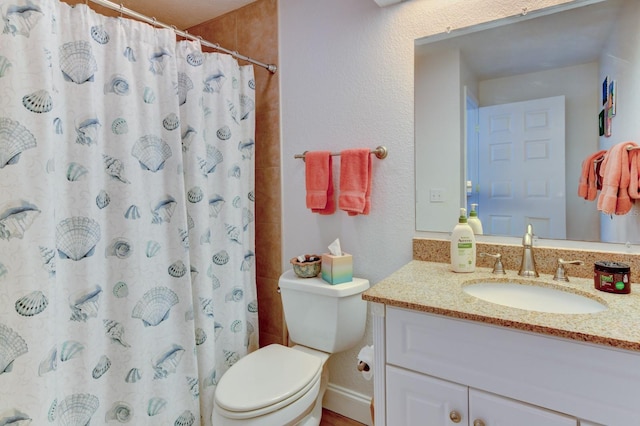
[587, 185]
[319, 182]
[355, 181]
[634, 160]
[615, 172]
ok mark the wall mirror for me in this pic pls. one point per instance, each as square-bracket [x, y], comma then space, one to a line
[548, 68]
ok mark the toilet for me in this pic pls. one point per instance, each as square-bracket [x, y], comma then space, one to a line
[283, 386]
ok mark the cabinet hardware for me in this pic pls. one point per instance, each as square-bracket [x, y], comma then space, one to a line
[455, 416]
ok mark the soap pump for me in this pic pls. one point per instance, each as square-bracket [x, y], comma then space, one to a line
[474, 220]
[463, 245]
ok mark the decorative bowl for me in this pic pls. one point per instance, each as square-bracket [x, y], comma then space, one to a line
[309, 268]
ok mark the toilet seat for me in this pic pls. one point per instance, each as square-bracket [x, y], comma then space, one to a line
[266, 380]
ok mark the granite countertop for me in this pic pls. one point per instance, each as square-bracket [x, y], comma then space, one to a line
[432, 287]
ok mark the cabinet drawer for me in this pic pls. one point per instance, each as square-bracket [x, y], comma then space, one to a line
[582, 380]
[495, 410]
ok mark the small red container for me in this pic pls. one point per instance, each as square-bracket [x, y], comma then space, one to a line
[612, 277]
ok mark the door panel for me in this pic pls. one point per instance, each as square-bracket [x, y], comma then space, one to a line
[416, 399]
[521, 168]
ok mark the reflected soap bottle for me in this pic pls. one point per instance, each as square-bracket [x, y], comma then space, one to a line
[474, 220]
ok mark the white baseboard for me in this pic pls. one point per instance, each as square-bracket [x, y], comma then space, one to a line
[348, 403]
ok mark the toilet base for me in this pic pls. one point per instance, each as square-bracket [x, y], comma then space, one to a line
[313, 419]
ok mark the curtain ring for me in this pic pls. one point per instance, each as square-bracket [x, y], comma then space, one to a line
[175, 32]
[121, 9]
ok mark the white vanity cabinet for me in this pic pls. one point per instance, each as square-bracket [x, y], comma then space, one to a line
[438, 370]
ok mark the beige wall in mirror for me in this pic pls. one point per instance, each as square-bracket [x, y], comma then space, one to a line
[566, 52]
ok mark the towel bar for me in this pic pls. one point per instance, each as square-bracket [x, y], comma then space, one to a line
[380, 152]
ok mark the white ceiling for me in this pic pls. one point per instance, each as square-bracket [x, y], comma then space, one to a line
[566, 38]
[187, 13]
[183, 14]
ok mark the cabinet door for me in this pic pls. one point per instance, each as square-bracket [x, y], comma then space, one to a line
[416, 399]
[493, 410]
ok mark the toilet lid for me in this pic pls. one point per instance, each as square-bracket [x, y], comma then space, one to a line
[266, 378]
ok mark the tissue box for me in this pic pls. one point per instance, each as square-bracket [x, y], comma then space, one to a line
[337, 269]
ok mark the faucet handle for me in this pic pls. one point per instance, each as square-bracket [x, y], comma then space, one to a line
[561, 274]
[497, 266]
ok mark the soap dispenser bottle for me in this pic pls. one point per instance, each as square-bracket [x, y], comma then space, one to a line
[463, 245]
[474, 220]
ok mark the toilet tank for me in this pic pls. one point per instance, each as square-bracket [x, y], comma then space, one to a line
[329, 318]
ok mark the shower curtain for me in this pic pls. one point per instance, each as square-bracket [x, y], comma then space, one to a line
[127, 272]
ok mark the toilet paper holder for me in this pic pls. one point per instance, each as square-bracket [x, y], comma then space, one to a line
[365, 362]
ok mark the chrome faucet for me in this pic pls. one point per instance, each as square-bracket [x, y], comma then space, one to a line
[528, 265]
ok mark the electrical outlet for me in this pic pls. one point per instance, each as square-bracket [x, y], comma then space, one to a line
[436, 195]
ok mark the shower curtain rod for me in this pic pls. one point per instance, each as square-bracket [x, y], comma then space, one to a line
[182, 33]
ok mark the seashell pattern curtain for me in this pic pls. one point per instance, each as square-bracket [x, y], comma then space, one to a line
[127, 270]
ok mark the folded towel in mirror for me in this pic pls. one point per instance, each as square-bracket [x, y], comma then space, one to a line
[615, 172]
[588, 182]
[634, 159]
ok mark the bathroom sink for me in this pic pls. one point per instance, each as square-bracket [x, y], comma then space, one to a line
[532, 297]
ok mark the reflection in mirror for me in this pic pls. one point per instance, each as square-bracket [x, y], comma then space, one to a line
[506, 112]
